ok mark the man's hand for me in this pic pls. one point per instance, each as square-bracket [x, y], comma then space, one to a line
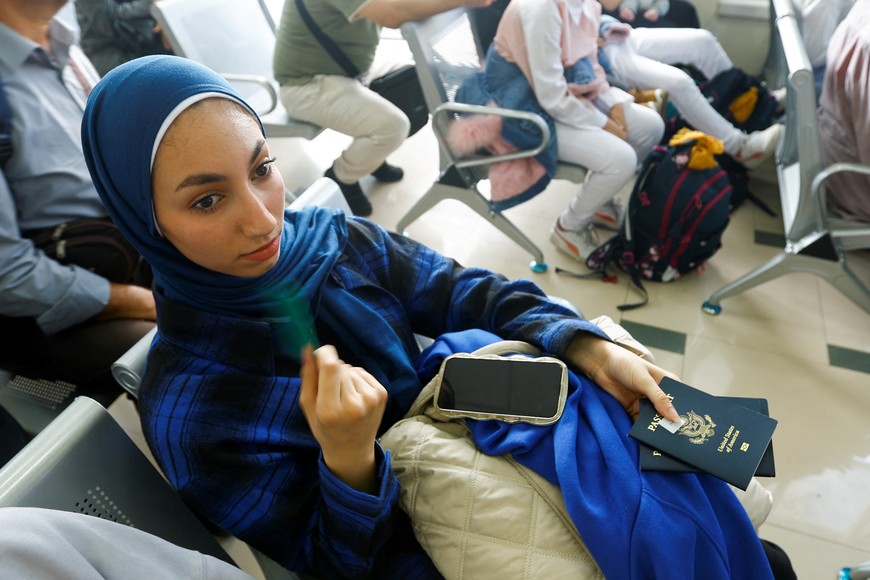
[344, 406]
[621, 373]
[129, 301]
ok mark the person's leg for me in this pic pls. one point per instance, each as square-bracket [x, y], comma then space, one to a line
[345, 105]
[610, 162]
[697, 47]
[642, 72]
[645, 129]
[81, 355]
[377, 126]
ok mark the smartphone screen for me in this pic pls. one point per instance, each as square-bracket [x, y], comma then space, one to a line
[501, 386]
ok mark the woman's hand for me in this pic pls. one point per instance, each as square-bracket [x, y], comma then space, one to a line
[651, 14]
[344, 406]
[621, 373]
[615, 128]
[626, 14]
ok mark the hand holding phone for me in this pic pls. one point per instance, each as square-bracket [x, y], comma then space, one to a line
[509, 389]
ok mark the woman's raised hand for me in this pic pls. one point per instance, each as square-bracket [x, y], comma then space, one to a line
[343, 405]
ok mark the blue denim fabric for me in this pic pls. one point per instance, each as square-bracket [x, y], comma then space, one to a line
[504, 84]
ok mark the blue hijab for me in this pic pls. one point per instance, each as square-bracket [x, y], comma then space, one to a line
[126, 116]
[122, 123]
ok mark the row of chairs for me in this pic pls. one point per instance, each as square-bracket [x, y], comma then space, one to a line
[815, 242]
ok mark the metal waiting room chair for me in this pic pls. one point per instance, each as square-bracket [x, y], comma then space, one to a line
[815, 242]
[84, 462]
[446, 51]
[235, 38]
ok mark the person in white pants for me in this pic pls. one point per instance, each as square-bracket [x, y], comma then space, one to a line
[642, 58]
[601, 129]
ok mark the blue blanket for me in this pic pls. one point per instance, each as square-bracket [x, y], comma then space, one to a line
[635, 524]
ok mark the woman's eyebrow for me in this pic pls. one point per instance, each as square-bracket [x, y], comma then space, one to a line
[206, 178]
[256, 153]
[200, 179]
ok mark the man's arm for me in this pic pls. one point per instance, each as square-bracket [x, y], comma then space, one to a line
[57, 296]
[392, 13]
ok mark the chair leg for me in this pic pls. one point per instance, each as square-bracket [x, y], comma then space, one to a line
[478, 203]
[844, 280]
[836, 272]
[773, 268]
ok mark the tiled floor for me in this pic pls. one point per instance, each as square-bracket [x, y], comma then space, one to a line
[795, 340]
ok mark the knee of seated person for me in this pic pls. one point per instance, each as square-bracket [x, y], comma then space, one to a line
[393, 128]
[702, 37]
[682, 83]
[622, 160]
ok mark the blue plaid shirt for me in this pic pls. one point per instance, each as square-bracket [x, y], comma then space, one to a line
[219, 406]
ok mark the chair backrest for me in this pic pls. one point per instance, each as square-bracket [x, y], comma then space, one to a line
[445, 51]
[799, 155]
[273, 10]
[233, 38]
[83, 461]
[447, 45]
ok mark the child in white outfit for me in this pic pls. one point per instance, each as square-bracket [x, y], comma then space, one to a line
[607, 134]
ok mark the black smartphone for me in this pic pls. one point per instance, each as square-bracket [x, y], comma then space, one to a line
[510, 389]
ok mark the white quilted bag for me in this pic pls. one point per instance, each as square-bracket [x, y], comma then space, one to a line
[479, 516]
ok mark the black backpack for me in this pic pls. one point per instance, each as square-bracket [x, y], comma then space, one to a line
[674, 223]
[728, 88]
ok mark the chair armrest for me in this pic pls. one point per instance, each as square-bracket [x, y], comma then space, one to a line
[129, 369]
[259, 80]
[440, 123]
[819, 194]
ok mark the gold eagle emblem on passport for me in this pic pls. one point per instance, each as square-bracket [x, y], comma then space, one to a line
[697, 428]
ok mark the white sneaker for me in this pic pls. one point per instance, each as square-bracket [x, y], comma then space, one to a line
[610, 215]
[577, 244]
[759, 145]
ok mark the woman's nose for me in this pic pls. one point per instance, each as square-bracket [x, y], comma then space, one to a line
[257, 220]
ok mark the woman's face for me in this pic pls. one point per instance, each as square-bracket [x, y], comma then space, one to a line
[218, 197]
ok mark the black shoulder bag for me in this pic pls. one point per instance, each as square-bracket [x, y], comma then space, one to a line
[401, 86]
[95, 244]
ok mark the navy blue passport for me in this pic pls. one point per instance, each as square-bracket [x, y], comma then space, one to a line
[654, 460]
[719, 437]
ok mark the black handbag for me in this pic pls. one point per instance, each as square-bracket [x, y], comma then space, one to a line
[401, 86]
[95, 244]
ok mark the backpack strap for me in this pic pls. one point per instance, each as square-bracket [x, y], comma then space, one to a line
[626, 233]
[327, 43]
[5, 128]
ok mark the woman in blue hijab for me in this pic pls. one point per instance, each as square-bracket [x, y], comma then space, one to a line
[267, 438]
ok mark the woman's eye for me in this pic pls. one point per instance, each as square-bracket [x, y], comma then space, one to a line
[265, 168]
[206, 203]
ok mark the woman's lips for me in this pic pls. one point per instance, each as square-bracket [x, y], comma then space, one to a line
[265, 252]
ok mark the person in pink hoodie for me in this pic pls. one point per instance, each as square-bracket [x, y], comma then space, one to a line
[844, 113]
[602, 130]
